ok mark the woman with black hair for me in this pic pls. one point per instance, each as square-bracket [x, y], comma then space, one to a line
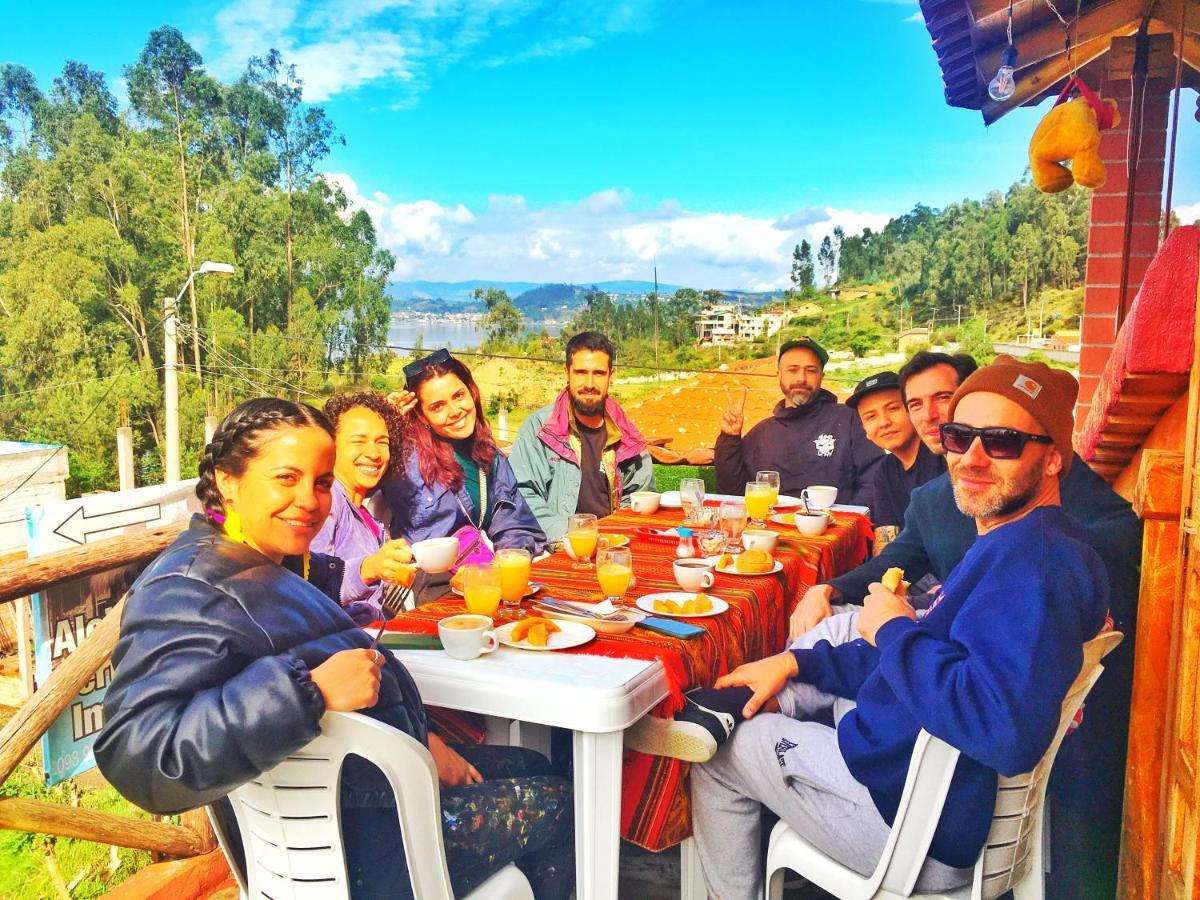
[232, 649]
[367, 439]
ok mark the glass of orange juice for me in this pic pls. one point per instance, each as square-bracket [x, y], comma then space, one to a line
[772, 478]
[758, 502]
[583, 532]
[513, 564]
[614, 571]
[481, 588]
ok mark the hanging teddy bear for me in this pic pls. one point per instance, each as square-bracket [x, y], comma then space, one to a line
[1071, 131]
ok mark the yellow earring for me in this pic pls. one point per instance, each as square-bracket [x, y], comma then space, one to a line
[233, 525]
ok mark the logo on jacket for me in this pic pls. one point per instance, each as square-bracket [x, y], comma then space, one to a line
[825, 444]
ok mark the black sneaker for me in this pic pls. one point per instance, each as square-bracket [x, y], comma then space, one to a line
[696, 731]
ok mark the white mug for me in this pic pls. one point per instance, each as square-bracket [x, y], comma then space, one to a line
[644, 503]
[760, 539]
[819, 496]
[693, 574]
[467, 636]
[811, 524]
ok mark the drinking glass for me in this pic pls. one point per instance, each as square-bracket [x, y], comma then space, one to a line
[733, 523]
[614, 571]
[583, 532]
[481, 589]
[691, 498]
[513, 564]
[772, 478]
[758, 502]
[712, 542]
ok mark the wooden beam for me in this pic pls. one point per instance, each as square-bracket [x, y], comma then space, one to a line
[30, 722]
[1044, 76]
[40, 817]
[26, 576]
[1048, 40]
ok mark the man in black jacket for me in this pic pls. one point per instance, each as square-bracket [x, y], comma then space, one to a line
[809, 438]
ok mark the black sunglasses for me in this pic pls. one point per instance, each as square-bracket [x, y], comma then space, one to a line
[998, 443]
[416, 367]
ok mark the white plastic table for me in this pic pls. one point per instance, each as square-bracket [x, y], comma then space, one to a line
[597, 697]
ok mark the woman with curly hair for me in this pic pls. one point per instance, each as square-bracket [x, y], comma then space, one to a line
[231, 650]
[367, 437]
[455, 476]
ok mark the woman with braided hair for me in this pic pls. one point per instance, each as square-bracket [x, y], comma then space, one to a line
[232, 648]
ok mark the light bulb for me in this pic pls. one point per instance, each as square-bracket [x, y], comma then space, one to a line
[1004, 84]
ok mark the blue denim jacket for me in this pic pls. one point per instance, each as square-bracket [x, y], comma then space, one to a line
[421, 511]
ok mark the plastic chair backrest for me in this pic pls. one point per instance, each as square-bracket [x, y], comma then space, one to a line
[290, 817]
[1016, 818]
[1015, 835]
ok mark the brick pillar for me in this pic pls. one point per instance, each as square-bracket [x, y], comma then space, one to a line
[1106, 231]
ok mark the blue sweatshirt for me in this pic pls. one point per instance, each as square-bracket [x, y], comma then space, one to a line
[985, 670]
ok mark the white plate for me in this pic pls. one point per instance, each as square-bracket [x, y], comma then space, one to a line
[732, 570]
[573, 634]
[647, 603]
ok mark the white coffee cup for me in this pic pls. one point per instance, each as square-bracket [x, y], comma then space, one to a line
[644, 503]
[693, 574]
[819, 496]
[435, 555]
[467, 636]
[760, 539]
[811, 524]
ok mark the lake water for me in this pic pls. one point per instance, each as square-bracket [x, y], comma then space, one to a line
[453, 335]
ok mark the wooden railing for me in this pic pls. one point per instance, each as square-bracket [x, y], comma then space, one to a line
[21, 577]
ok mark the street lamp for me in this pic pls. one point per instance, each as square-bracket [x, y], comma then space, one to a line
[171, 370]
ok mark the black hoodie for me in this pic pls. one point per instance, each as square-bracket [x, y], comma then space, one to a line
[821, 442]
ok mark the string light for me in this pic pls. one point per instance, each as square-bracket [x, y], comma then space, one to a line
[1004, 83]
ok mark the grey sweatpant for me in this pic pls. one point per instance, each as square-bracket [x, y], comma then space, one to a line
[795, 769]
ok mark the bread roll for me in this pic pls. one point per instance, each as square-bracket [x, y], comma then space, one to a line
[755, 562]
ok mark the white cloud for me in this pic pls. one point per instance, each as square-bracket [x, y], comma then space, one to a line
[402, 45]
[1188, 214]
[606, 235]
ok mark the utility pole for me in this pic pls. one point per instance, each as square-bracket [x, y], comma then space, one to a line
[170, 391]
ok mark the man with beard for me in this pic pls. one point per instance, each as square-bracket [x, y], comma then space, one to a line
[808, 439]
[581, 453]
[985, 667]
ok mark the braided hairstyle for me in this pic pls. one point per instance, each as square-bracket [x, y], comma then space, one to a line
[239, 437]
[340, 404]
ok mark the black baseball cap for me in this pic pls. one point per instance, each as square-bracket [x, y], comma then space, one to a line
[808, 344]
[881, 381]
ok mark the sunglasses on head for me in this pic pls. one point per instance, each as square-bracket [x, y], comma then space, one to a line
[998, 443]
[416, 367]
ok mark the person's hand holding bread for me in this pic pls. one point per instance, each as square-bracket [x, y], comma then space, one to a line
[885, 601]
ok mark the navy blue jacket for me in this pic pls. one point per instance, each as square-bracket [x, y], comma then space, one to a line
[985, 670]
[936, 536]
[421, 510]
[212, 684]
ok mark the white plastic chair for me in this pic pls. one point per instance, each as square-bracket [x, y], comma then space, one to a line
[290, 819]
[1012, 857]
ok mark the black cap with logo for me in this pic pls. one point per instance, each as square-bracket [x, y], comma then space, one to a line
[881, 381]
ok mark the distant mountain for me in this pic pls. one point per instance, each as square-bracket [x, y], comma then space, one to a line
[535, 301]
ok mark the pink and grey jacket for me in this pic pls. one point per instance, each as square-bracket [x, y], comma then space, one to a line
[545, 458]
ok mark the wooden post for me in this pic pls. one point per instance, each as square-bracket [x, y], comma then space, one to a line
[1157, 503]
[23, 626]
[25, 576]
[125, 458]
[31, 721]
[21, 814]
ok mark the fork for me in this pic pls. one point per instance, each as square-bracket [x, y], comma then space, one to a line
[392, 603]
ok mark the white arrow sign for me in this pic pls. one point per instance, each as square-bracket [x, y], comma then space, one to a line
[78, 525]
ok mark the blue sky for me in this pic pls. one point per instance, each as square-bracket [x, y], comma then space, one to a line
[585, 140]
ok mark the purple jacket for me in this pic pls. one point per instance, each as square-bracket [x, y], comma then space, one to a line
[346, 535]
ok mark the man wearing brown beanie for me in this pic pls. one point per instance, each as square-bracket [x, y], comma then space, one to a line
[985, 667]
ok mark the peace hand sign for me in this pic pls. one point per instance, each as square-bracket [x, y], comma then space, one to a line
[735, 412]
